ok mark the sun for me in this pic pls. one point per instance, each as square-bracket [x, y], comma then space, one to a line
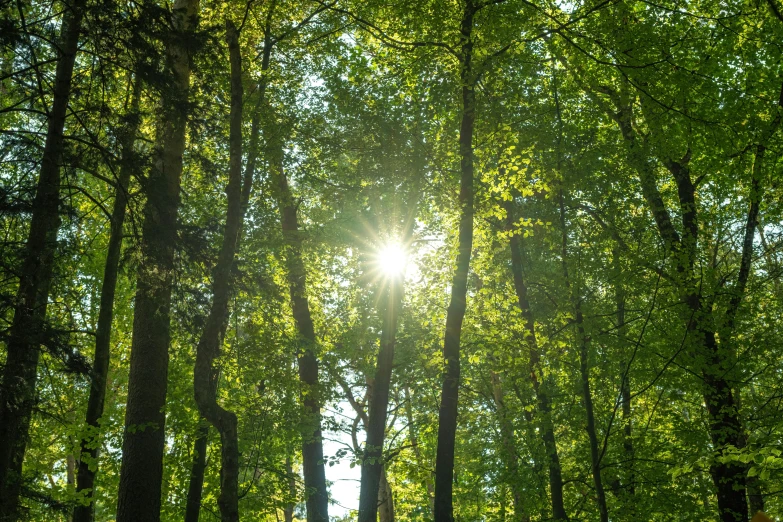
[392, 259]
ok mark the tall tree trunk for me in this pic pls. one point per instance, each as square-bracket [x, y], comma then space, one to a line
[543, 402]
[141, 472]
[373, 478]
[725, 429]
[625, 388]
[211, 339]
[447, 414]
[288, 512]
[753, 484]
[28, 329]
[507, 434]
[317, 500]
[584, 371]
[385, 499]
[197, 469]
[372, 460]
[198, 466]
[195, 487]
[725, 426]
[90, 444]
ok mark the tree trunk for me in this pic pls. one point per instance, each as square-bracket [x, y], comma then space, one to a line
[90, 444]
[372, 460]
[373, 478]
[725, 425]
[70, 471]
[447, 414]
[197, 470]
[199, 465]
[385, 499]
[312, 444]
[288, 512]
[584, 372]
[141, 472]
[211, 339]
[726, 428]
[28, 329]
[625, 389]
[543, 403]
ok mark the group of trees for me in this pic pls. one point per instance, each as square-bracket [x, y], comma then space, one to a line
[197, 197]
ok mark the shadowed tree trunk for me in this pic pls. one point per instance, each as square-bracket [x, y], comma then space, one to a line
[584, 371]
[384, 497]
[543, 402]
[197, 470]
[755, 497]
[372, 460]
[90, 444]
[447, 414]
[625, 388]
[141, 472]
[195, 488]
[373, 477]
[28, 329]
[725, 426]
[288, 512]
[317, 500]
[212, 336]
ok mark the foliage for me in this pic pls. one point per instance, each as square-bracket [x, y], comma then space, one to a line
[366, 97]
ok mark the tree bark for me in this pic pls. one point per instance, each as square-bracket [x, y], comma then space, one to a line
[372, 460]
[385, 499]
[90, 444]
[288, 512]
[317, 500]
[625, 388]
[198, 466]
[141, 472]
[373, 477]
[28, 328]
[584, 371]
[197, 470]
[543, 402]
[209, 344]
[447, 414]
[725, 426]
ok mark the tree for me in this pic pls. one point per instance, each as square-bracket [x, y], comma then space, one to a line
[589, 325]
[28, 330]
[143, 443]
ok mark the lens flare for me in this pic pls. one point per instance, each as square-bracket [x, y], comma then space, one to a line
[391, 260]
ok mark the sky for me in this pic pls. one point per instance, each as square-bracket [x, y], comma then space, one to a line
[344, 480]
